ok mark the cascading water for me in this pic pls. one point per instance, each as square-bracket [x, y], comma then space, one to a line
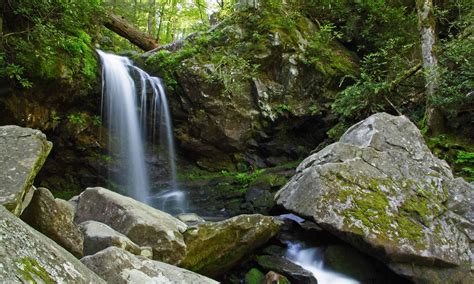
[311, 259]
[130, 124]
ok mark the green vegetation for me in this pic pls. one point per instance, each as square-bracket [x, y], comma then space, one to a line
[32, 271]
[254, 276]
[49, 40]
[459, 153]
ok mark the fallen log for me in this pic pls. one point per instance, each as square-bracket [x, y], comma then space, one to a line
[123, 28]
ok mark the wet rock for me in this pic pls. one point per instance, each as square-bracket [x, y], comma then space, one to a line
[294, 272]
[98, 236]
[347, 260]
[28, 256]
[22, 154]
[54, 218]
[214, 248]
[119, 266]
[382, 190]
[141, 223]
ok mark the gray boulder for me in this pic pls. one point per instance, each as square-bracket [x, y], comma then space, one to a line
[214, 248]
[22, 154]
[382, 190]
[54, 218]
[28, 256]
[141, 223]
[98, 236]
[118, 266]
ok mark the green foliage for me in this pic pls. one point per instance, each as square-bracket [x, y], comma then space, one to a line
[458, 153]
[373, 90]
[323, 54]
[48, 40]
[281, 109]
[457, 65]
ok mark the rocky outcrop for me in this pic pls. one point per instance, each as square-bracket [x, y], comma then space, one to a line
[118, 266]
[22, 153]
[214, 248]
[142, 224]
[382, 190]
[237, 85]
[98, 236]
[28, 256]
[54, 219]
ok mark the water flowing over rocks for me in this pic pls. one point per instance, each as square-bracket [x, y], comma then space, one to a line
[118, 266]
[98, 236]
[142, 224]
[380, 189]
[214, 248]
[28, 256]
[54, 218]
[22, 153]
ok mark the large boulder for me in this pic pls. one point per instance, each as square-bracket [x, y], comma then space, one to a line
[382, 190]
[28, 256]
[22, 153]
[214, 248]
[141, 223]
[118, 266]
[55, 219]
[99, 236]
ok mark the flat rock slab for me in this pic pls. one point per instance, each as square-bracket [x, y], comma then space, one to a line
[144, 225]
[22, 154]
[118, 266]
[382, 190]
[28, 256]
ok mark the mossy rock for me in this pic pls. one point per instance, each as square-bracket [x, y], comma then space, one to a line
[382, 190]
[214, 248]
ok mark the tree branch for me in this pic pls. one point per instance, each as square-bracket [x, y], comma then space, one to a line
[123, 28]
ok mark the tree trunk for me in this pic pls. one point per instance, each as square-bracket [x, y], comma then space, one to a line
[123, 28]
[426, 22]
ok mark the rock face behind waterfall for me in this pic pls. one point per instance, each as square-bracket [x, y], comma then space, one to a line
[382, 190]
[30, 257]
[22, 153]
[226, 112]
[142, 224]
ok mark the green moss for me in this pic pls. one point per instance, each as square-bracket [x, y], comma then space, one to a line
[370, 206]
[254, 276]
[31, 270]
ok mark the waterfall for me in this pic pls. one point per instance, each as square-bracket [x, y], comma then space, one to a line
[133, 116]
[311, 259]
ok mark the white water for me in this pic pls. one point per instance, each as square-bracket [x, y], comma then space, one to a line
[134, 118]
[311, 259]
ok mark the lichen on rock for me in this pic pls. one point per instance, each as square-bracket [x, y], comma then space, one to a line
[383, 191]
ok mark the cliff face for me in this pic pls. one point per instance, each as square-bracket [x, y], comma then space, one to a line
[256, 89]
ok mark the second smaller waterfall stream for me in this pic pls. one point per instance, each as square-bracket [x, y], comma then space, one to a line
[311, 259]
